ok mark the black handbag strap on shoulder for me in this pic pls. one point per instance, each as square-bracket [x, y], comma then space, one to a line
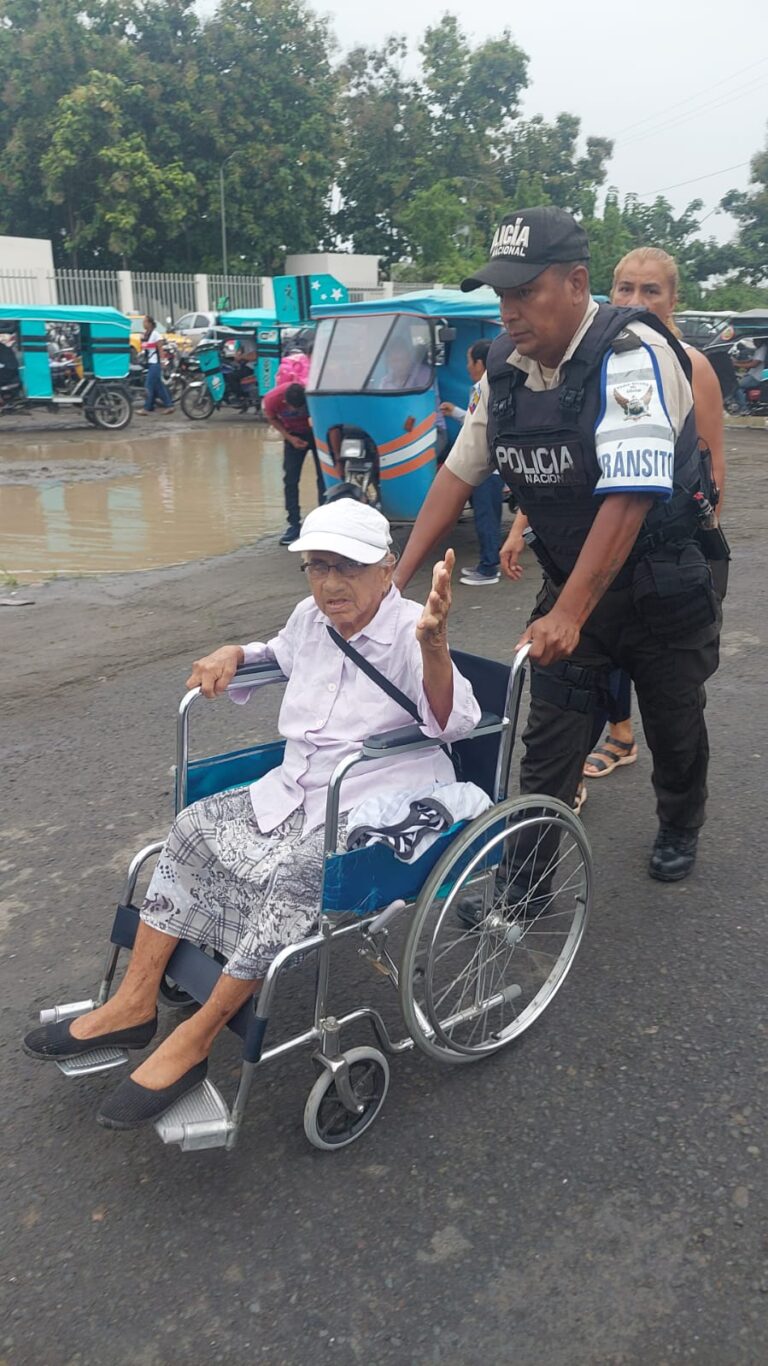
[375, 675]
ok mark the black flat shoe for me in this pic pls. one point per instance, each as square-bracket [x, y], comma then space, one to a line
[673, 854]
[54, 1041]
[131, 1104]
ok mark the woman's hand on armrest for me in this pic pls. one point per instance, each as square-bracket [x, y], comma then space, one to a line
[432, 635]
[215, 672]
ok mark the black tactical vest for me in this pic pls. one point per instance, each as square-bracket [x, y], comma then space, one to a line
[543, 444]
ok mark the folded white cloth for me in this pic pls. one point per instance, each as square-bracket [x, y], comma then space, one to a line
[408, 823]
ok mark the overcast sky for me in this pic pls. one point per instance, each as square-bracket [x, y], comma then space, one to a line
[680, 85]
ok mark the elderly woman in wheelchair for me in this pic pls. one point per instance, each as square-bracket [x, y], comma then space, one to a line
[246, 871]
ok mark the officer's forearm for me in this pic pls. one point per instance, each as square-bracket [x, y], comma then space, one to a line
[439, 513]
[614, 532]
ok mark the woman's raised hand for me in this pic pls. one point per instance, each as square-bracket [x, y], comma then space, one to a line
[432, 629]
[214, 672]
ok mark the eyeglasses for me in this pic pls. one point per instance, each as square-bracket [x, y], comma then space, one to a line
[320, 569]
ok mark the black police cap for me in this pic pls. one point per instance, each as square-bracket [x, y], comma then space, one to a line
[526, 243]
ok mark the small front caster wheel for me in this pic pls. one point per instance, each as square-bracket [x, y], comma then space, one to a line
[328, 1123]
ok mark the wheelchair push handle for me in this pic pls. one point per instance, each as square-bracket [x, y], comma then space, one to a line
[520, 658]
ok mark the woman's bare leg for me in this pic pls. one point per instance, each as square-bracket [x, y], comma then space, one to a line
[192, 1040]
[136, 998]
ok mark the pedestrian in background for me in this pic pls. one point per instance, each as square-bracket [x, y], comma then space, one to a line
[285, 409]
[486, 499]
[155, 389]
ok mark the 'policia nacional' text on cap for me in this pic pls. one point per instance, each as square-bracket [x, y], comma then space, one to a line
[526, 243]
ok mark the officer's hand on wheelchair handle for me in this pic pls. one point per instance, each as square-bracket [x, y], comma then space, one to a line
[431, 629]
[215, 672]
[552, 637]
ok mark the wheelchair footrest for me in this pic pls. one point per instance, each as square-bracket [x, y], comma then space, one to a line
[98, 1060]
[200, 1119]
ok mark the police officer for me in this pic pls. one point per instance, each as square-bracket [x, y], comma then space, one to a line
[586, 412]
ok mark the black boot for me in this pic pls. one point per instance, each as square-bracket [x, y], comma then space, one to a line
[673, 854]
[291, 534]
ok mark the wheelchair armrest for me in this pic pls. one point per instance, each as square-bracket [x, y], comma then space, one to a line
[411, 737]
[250, 675]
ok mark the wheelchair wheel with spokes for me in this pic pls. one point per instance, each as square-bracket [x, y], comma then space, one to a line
[496, 928]
[328, 1123]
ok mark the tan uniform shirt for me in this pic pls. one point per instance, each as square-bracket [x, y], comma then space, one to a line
[469, 458]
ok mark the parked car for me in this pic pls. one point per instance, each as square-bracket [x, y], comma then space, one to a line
[190, 328]
[698, 327]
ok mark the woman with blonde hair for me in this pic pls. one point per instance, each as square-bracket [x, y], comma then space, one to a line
[648, 278]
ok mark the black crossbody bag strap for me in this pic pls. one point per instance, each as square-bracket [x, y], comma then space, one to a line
[389, 688]
[375, 675]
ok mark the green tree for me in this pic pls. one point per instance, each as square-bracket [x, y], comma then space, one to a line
[45, 52]
[750, 209]
[267, 87]
[439, 221]
[473, 95]
[116, 200]
[430, 164]
[549, 153]
[385, 152]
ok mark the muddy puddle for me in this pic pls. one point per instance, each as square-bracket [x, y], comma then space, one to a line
[95, 505]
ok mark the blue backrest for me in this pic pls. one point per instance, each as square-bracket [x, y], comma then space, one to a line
[490, 684]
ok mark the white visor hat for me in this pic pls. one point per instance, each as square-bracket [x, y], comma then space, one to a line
[346, 527]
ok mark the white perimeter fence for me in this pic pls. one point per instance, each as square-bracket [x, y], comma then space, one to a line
[161, 295]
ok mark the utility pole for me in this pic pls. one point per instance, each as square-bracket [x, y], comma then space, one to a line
[223, 218]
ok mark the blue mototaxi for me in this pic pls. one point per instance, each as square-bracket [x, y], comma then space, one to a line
[103, 345]
[379, 371]
[262, 325]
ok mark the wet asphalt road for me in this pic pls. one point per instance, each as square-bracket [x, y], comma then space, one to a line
[595, 1195]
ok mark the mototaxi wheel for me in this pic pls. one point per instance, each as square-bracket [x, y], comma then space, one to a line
[196, 402]
[111, 407]
[496, 928]
[328, 1123]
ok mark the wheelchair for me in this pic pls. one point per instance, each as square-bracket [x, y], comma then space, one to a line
[466, 990]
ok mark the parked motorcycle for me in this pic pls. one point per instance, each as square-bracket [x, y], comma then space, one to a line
[66, 369]
[723, 362]
[215, 380]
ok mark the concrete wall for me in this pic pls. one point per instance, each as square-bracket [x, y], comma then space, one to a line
[26, 253]
[356, 272]
[27, 266]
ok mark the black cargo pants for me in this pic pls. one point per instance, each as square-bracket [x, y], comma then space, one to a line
[293, 461]
[669, 678]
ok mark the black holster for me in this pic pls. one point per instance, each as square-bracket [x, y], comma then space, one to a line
[572, 687]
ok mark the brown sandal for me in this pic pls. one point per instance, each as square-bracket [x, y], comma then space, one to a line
[605, 760]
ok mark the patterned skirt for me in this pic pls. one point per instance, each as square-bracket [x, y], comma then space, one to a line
[220, 881]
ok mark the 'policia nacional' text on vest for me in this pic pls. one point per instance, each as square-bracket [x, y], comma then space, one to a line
[543, 442]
